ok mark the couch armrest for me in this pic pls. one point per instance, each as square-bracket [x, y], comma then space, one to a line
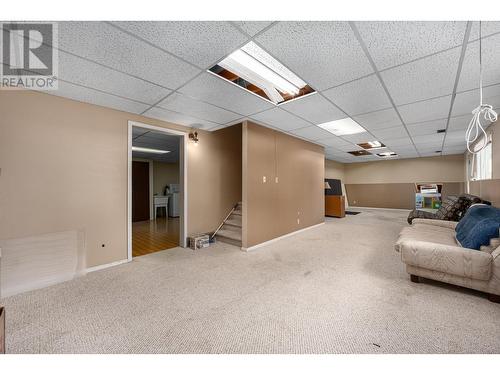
[454, 260]
[439, 223]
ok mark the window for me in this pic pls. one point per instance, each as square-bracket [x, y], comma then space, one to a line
[482, 162]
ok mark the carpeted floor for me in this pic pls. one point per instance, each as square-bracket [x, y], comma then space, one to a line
[337, 288]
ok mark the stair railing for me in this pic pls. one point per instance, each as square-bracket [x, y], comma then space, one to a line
[224, 221]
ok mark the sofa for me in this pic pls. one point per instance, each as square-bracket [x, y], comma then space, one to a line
[429, 248]
[452, 208]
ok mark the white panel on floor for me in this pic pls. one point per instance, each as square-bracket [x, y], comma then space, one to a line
[324, 54]
[36, 262]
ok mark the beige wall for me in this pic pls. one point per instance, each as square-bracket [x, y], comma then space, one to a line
[334, 170]
[273, 208]
[214, 177]
[163, 174]
[391, 183]
[64, 166]
[432, 169]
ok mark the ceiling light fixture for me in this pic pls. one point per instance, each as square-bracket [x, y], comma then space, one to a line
[252, 66]
[475, 130]
[373, 145]
[149, 150]
[387, 154]
[344, 126]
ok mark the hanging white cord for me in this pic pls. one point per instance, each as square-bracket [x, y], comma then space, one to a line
[475, 129]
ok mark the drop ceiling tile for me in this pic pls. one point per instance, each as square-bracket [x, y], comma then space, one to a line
[86, 95]
[324, 54]
[312, 132]
[386, 118]
[252, 27]
[402, 142]
[428, 127]
[453, 151]
[390, 133]
[359, 137]
[487, 28]
[338, 144]
[469, 76]
[215, 90]
[430, 153]
[428, 139]
[457, 136]
[178, 118]
[396, 42]
[280, 119]
[89, 74]
[202, 43]
[109, 46]
[430, 77]
[314, 108]
[459, 122]
[426, 110]
[466, 101]
[184, 104]
[360, 96]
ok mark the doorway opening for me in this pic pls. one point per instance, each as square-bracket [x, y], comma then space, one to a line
[157, 189]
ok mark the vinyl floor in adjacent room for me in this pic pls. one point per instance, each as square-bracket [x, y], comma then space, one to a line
[154, 235]
[337, 288]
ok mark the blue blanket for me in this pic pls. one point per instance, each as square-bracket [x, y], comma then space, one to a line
[479, 224]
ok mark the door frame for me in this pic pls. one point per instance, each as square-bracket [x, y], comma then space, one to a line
[183, 181]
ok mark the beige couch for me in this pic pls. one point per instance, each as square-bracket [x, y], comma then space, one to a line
[429, 249]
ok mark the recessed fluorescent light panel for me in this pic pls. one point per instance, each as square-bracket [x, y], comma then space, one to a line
[257, 71]
[149, 150]
[359, 153]
[345, 126]
[373, 145]
[388, 154]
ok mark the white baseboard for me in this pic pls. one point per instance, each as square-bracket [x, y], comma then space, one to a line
[107, 265]
[251, 248]
[381, 208]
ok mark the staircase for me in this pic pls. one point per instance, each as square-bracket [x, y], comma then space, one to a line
[230, 229]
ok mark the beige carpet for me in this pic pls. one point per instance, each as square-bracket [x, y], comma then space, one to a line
[338, 288]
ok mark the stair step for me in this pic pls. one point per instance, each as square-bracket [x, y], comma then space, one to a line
[228, 240]
[234, 221]
[237, 212]
[231, 234]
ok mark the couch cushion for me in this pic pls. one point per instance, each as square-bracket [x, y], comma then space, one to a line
[419, 214]
[428, 233]
[478, 226]
[450, 209]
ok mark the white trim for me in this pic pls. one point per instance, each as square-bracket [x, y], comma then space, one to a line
[251, 248]
[107, 265]
[183, 178]
[381, 208]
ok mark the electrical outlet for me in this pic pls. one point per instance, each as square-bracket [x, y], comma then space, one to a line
[354, 202]
[298, 221]
[264, 179]
[276, 179]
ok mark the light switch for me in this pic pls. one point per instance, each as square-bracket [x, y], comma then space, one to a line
[276, 179]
